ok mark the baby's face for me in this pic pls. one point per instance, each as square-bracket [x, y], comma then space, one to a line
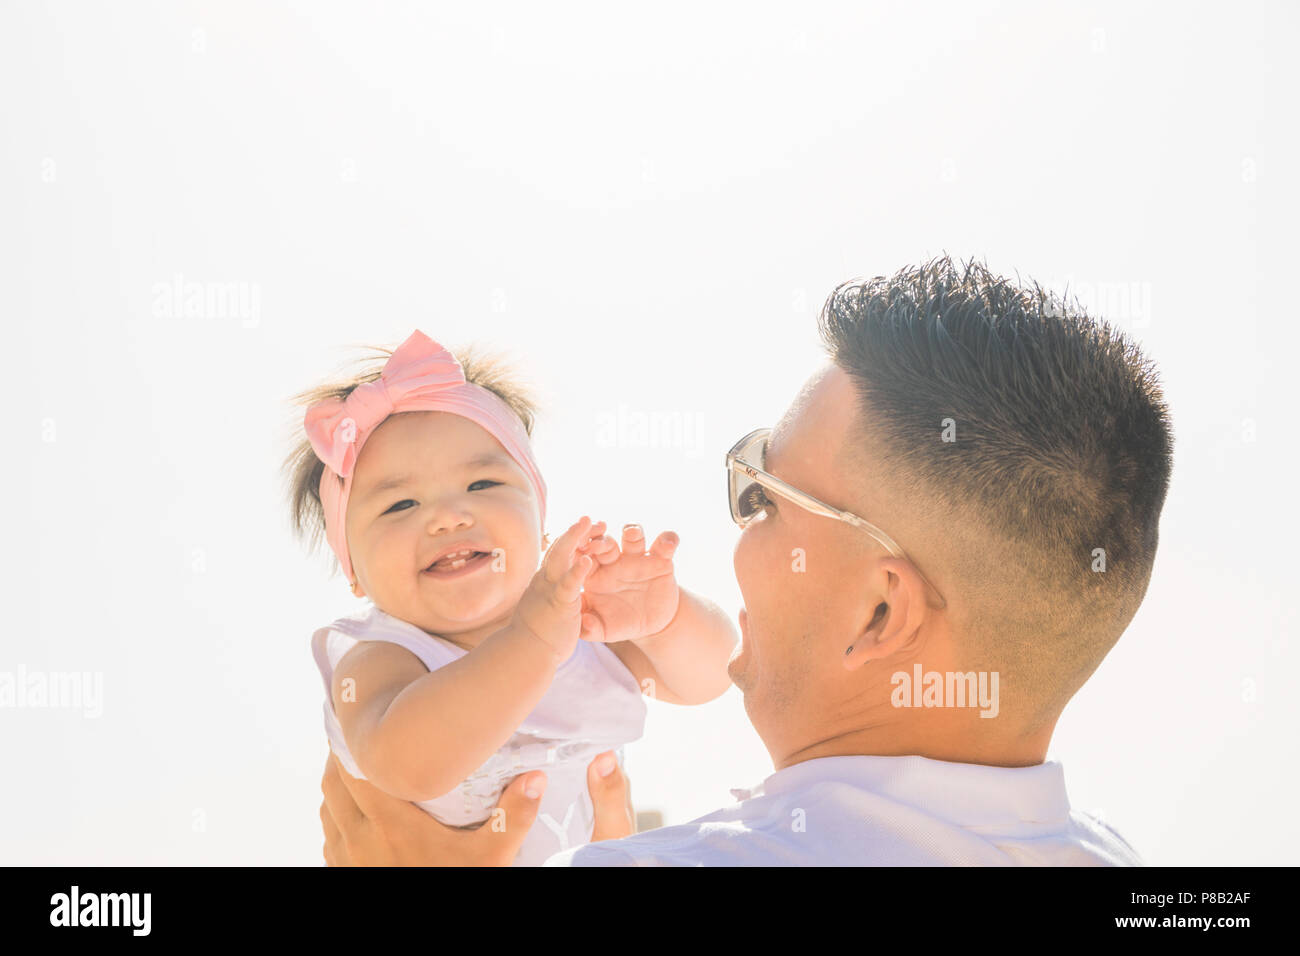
[427, 483]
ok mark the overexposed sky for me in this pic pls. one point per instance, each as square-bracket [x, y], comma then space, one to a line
[644, 209]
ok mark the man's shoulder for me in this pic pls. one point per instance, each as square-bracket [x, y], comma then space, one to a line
[1106, 844]
[823, 824]
[685, 844]
[746, 833]
[857, 813]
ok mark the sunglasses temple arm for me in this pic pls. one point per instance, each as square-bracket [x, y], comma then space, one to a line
[892, 547]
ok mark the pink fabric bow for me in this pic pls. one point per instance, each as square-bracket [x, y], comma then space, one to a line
[420, 376]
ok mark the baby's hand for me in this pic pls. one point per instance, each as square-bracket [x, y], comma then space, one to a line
[630, 594]
[551, 607]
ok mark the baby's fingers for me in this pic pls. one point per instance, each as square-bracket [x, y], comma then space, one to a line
[592, 629]
[560, 558]
[569, 588]
[604, 549]
[665, 545]
[633, 539]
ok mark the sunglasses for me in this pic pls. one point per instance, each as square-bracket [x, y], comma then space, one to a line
[749, 486]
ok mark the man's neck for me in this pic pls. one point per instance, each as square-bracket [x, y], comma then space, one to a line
[952, 746]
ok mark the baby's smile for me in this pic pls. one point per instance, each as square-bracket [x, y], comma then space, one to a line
[458, 560]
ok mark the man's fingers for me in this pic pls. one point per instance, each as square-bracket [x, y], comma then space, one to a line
[367, 801]
[665, 545]
[340, 805]
[333, 838]
[633, 539]
[515, 812]
[609, 798]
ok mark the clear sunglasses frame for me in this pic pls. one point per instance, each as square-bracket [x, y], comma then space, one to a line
[737, 465]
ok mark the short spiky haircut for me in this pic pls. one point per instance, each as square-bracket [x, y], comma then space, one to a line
[1063, 445]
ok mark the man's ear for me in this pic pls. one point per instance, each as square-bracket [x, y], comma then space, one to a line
[895, 616]
[357, 590]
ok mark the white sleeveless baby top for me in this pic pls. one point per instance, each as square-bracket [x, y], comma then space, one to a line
[593, 704]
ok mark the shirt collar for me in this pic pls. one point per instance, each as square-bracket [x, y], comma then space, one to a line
[966, 794]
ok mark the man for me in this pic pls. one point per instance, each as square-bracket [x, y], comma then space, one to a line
[944, 535]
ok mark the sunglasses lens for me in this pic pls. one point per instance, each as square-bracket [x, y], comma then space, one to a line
[733, 481]
[749, 501]
[746, 496]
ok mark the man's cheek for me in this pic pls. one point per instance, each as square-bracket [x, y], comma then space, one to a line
[763, 571]
[786, 564]
[747, 561]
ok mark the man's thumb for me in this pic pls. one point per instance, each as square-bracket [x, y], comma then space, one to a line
[609, 798]
[514, 814]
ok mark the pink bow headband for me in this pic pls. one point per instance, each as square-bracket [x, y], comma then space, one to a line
[421, 376]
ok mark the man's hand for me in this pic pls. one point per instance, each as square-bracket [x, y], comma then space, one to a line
[630, 594]
[364, 826]
[611, 796]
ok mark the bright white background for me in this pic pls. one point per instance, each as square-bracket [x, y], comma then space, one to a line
[645, 210]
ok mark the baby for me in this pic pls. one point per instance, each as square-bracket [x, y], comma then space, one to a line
[475, 665]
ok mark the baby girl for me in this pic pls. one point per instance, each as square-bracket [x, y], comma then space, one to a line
[474, 664]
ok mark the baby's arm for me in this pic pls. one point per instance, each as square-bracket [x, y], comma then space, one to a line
[417, 733]
[687, 660]
[674, 642]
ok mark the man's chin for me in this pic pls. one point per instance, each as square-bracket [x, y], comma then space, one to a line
[739, 660]
[737, 667]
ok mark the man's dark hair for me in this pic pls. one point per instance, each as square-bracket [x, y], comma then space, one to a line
[1063, 445]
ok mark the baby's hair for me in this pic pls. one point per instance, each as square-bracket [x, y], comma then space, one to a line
[302, 469]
